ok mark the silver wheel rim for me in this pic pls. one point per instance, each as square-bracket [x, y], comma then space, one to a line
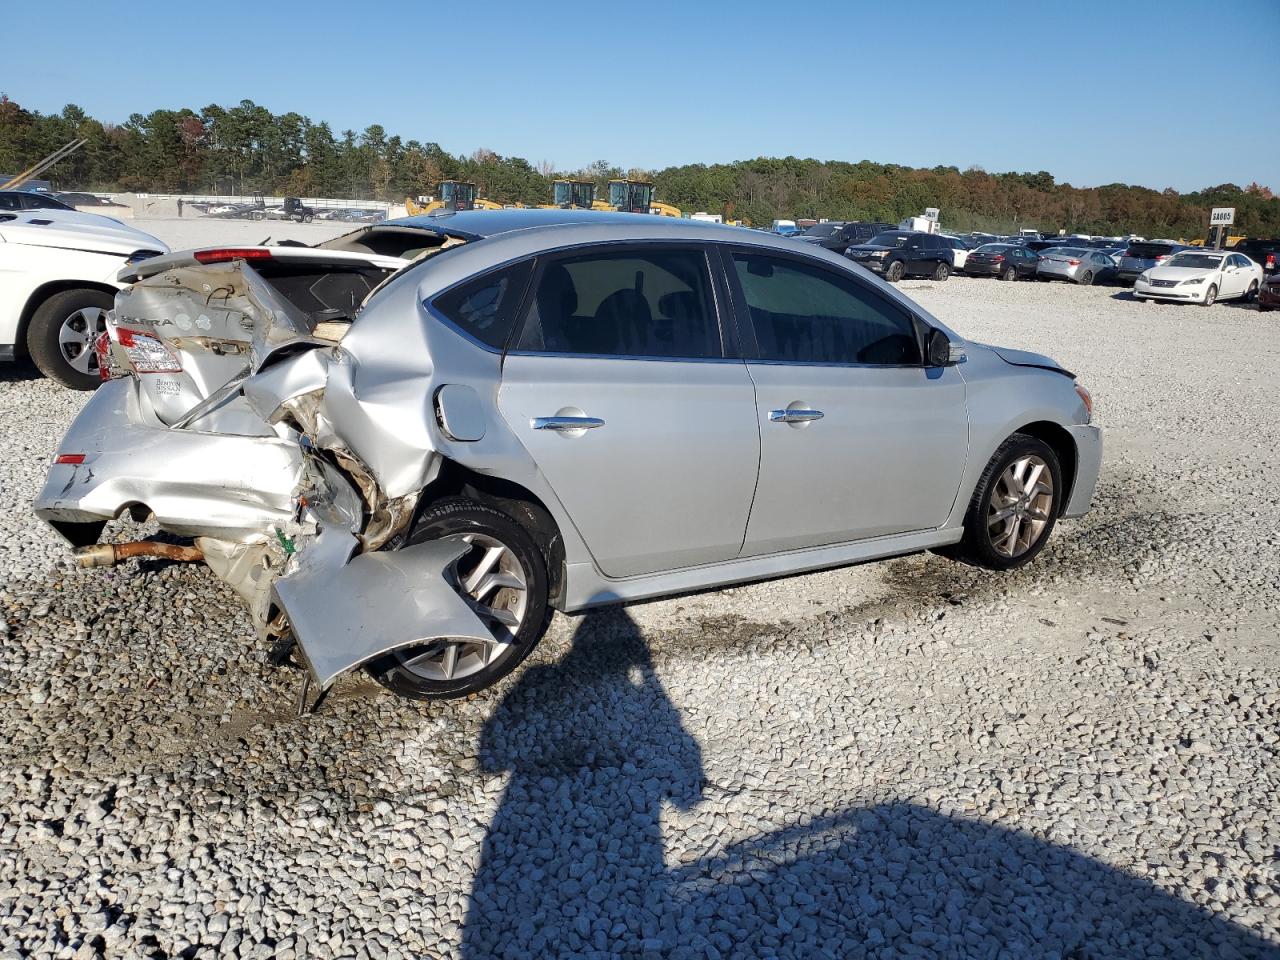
[1211, 296]
[496, 586]
[77, 336]
[1020, 506]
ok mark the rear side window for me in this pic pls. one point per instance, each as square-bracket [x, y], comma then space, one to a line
[804, 314]
[486, 308]
[653, 303]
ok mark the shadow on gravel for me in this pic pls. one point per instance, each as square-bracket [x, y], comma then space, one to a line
[20, 371]
[573, 863]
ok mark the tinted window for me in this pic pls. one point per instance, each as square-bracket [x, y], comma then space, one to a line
[486, 308]
[1149, 251]
[804, 314]
[10, 201]
[635, 303]
[889, 239]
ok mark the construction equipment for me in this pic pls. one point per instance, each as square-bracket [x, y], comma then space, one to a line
[40, 167]
[452, 195]
[575, 194]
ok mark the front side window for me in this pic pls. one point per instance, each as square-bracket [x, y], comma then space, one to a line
[652, 303]
[486, 308]
[804, 314]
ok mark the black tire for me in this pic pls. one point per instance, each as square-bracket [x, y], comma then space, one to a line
[1211, 295]
[977, 547]
[1086, 279]
[1251, 294]
[452, 517]
[893, 273]
[43, 337]
[1010, 273]
[941, 271]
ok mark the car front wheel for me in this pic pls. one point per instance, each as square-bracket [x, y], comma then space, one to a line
[1211, 296]
[1014, 507]
[62, 335]
[503, 577]
[895, 271]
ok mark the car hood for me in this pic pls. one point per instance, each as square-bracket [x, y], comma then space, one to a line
[1025, 358]
[70, 230]
[1180, 273]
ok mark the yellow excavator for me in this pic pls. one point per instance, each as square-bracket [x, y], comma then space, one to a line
[575, 195]
[451, 195]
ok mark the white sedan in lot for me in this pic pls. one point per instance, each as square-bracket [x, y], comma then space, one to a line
[1201, 276]
[57, 275]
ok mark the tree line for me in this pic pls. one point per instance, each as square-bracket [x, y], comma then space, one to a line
[246, 149]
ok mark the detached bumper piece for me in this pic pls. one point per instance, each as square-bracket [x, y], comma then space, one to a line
[344, 615]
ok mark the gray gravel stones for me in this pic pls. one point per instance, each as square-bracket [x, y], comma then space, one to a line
[905, 759]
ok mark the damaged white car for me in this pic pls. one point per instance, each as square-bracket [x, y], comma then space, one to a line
[404, 447]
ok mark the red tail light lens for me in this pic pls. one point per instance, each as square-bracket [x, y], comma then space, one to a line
[102, 349]
[223, 254]
[1073, 263]
[999, 257]
[1271, 259]
[147, 354]
[75, 459]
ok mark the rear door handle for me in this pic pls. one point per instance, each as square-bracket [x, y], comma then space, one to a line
[794, 416]
[566, 424]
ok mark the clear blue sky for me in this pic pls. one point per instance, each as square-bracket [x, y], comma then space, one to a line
[1093, 92]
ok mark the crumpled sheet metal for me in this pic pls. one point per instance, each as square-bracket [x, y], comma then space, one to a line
[344, 614]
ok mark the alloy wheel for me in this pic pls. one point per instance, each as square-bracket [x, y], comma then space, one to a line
[77, 336]
[492, 581]
[1020, 506]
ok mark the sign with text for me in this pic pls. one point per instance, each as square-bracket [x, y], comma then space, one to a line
[1222, 217]
[931, 213]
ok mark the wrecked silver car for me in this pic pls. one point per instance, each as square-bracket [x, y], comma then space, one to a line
[404, 447]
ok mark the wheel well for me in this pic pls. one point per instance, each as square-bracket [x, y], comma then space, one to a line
[520, 504]
[42, 293]
[1063, 446]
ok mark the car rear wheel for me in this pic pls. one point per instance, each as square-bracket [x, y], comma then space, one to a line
[502, 577]
[62, 335]
[1211, 295]
[942, 271]
[1014, 507]
[1086, 279]
[1010, 273]
[895, 271]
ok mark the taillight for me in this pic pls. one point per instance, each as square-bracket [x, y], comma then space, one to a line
[75, 459]
[1087, 398]
[223, 254]
[1163, 256]
[1271, 259]
[147, 354]
[1073, 263]
[998, 257]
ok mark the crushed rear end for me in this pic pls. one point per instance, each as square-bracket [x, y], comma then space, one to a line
[226, 418]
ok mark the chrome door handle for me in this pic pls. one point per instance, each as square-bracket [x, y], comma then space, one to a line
[794, 416]
[565, 424]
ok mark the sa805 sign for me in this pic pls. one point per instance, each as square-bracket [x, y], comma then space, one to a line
[1222, 217]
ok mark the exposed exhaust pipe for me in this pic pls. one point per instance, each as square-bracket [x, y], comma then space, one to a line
[109, 554]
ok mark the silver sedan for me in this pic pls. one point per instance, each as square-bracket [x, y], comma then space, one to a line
[1080, 265]
[547, 409]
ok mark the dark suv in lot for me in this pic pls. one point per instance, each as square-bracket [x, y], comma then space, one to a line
[895, 254]
[838, 236]
[1143, 255]
[1265, 253]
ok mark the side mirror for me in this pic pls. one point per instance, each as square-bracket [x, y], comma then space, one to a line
[938, 350]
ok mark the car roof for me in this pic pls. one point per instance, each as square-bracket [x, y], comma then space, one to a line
[478, 224]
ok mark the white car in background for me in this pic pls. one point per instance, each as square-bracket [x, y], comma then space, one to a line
[1200, 276]
[959, 251]
[57, 275]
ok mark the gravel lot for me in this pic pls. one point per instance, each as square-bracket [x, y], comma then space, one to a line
[907, 759]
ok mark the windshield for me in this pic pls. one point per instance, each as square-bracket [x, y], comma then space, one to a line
[1196, 261]
[824, 230]
[888, 239]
